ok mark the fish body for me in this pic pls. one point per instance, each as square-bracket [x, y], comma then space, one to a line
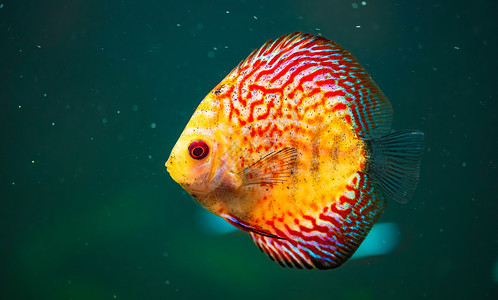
[295, 147]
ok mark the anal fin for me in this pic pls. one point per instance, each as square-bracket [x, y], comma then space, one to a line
[327, 239]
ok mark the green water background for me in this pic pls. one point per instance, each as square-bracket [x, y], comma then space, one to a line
[94, 95]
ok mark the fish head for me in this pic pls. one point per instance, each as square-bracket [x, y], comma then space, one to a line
[199, 162]
[191, 161]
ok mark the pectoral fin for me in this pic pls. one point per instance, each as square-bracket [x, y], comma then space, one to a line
[274, 168]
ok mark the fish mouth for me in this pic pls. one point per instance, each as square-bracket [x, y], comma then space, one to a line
[170, 168]
[174, 172]
[168, 165]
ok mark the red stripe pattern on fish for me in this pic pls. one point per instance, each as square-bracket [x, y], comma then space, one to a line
[294, 147]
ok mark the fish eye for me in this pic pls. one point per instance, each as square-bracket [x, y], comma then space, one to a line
[198, 150]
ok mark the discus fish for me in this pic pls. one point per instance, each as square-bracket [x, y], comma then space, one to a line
[295, 147]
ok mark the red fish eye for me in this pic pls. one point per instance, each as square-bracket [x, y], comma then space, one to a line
[198, 150]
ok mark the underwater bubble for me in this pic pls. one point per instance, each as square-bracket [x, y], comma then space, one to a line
[153, 125]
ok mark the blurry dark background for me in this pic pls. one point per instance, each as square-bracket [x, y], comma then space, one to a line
[94, 94]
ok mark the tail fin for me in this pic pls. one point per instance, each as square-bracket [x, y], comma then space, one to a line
[395, 163]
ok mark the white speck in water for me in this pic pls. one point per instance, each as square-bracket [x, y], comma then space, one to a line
[114, 296]
[134, 107]
[358, 26]
[38, 46]
[53, 123]
[255, 18]
[118, 111]
[13, 183]
[150, 156]
[456, 48]
[317, 29]
[210, 54]
[464, 164]
[32, 161]
[166, 282]
[227, 11]
[20, 106]
[104, 121]
[354, 5]
[153, 125]
[45, 95]
[363, 3]
[178, 25]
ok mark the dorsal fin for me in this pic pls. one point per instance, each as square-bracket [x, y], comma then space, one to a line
[270, 48]
[368, 108]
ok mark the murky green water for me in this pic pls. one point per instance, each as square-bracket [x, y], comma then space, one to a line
[95, 93]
